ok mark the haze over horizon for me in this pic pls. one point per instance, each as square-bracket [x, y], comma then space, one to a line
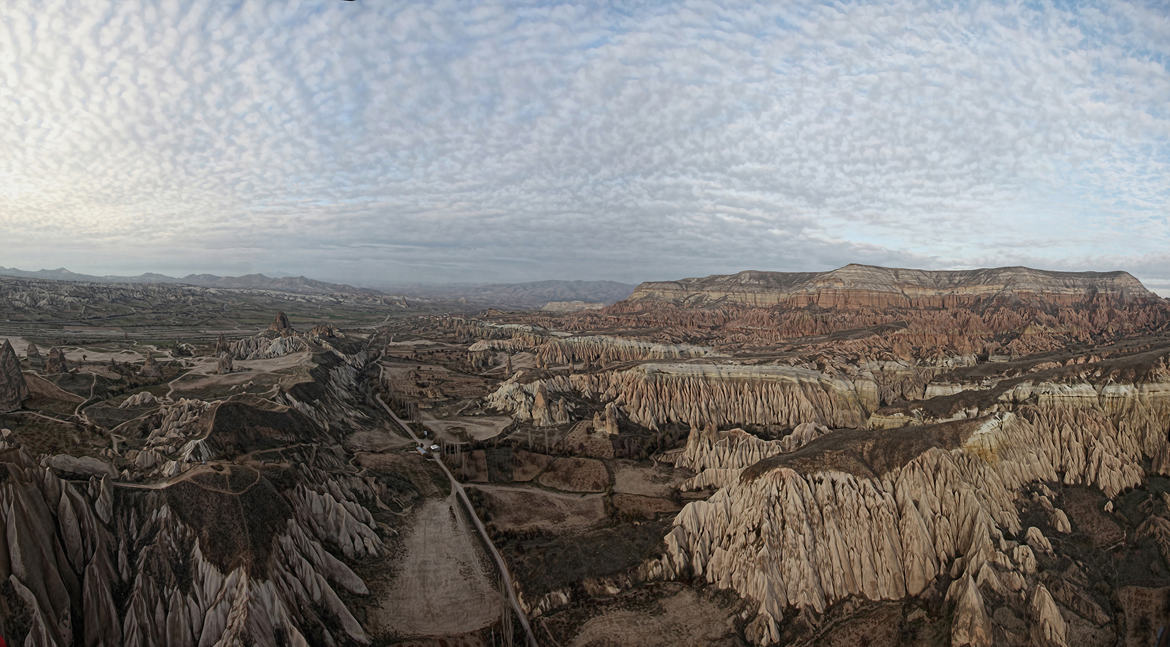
[373, 144]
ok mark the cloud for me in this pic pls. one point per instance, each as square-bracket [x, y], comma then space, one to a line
[377, 142]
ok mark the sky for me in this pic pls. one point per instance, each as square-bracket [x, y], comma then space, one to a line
[376, 142]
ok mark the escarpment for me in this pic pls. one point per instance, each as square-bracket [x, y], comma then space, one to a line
[864, 313]
[881, 287]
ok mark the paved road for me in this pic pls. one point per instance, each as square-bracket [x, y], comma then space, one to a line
[462, 494]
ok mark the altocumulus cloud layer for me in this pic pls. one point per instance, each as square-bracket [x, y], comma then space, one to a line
[369, 141]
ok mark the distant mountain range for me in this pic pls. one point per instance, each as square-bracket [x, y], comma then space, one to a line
[293, 284]
[534, 294]
[502, 295]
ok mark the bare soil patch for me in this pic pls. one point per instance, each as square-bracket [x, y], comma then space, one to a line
[576, 475]
[684, 618]
[526, 510]
[659, 480]
[473, 427]
[443, 584]
[643, 507]
[545, 563]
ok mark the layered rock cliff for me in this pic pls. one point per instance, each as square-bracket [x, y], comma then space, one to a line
[854, 286]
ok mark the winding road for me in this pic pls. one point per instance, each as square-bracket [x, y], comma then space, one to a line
[457, 487]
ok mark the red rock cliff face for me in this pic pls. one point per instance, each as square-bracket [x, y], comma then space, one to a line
[865, 312]
[864, 286]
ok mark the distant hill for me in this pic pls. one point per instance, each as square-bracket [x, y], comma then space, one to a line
[293, 284]
[529, 295]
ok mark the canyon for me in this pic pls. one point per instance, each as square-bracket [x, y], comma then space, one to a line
[891, 456]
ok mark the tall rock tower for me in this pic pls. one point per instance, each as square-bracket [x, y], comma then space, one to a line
[13, 389]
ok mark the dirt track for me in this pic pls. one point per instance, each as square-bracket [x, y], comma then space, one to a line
[443, 582]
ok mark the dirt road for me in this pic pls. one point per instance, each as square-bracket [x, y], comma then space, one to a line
[457, 487]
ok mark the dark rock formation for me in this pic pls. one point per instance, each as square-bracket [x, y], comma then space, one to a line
[56, 362]
[150, 368]
[13, 389]
[323, 331]
[35, 359]
[280, 324]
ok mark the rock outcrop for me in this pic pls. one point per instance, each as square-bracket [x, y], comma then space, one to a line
[68, 542]
[56, 362]
[33, 354]
[588, 350]
[881, 516]
[280, 324]
[698, 395]
[201, 554]
[150, 368]
[13, 388]
[224, 365]
[266, 347]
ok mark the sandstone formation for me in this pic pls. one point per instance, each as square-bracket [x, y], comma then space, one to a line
[224, 364]
[33, 354]
[56, 362]
[150, 368]
[880, 287]
[209, 552]
[67, 542]
[881, 518]
[13, 389]
[323, 331]
[280, 324]
[264, 347]
[654, 394]
[588, 350]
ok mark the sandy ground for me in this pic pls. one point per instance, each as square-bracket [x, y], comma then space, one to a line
[686, 619]
[522, 509]
[203, 375]
[656, 480]
[576, 475]
[75, 353]
[478, 427]
[274, 364]
[443, 584]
